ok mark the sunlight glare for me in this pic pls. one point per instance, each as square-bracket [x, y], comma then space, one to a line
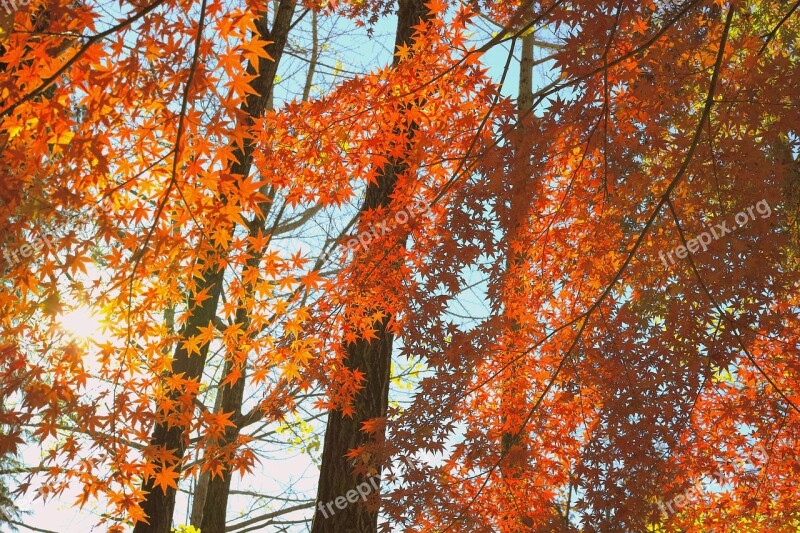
[82, 323]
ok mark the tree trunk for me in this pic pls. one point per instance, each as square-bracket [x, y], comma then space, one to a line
[201, 489]
[216, 498]
[159, 505]
[373, 359]
[782, 152]
[512, 395]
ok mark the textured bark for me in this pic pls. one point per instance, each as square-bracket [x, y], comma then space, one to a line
[525, 100]
[344, 433]
[199, 498]
[372, 358]
[159, 506]
[201, 489]
[782, 152]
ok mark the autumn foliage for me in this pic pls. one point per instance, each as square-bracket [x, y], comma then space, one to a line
[206, 225]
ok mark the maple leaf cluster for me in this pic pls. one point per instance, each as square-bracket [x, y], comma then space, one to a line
[565, 376]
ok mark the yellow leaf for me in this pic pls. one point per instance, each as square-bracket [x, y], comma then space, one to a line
[62, 138]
